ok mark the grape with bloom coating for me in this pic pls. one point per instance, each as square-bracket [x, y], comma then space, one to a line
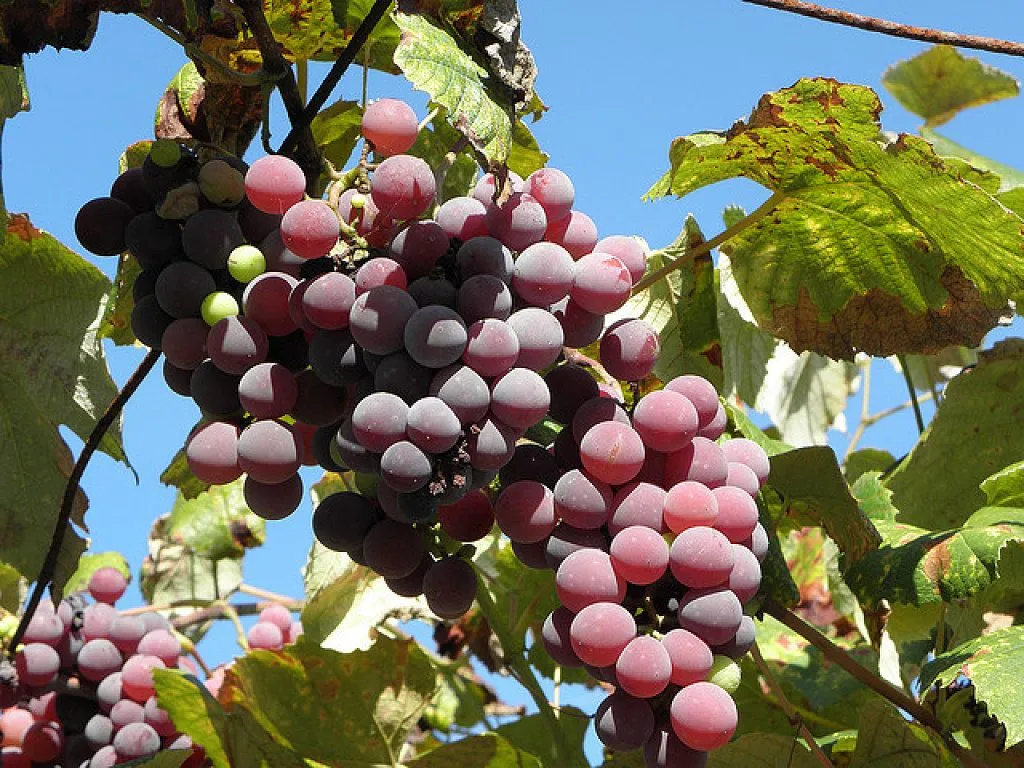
[601, 631]
[402, 187]
[587, 577]
[390, 125]
[275, 183]
[703, 716]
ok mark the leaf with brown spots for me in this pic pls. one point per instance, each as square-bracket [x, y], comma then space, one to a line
[886, 739]
[867, 244]
[337, 709]
[993, 663]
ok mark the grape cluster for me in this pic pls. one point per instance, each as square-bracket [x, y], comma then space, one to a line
[652, 530]
[83, 695]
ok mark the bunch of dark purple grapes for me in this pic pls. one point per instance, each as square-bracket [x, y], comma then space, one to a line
[83, 693]
[652, 529]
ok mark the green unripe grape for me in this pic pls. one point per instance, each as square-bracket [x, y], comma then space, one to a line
[358, 201]
[246, 262]
[165, 153]
[366, 484]
[222, 184]
[217, 306]
[725, 673]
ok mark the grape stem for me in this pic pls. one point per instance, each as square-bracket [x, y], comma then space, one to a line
[63, 524]
[248, 79]
[887, 690]
[266, 594]
[515, 660]
[885, 27]
[913, 393]
[690, 254]
[791, 714]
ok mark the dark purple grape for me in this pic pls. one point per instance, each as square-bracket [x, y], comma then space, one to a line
[342, 520]
[100, 225]
[209, 236]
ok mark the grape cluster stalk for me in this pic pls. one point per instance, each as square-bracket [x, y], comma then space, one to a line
[416, 345]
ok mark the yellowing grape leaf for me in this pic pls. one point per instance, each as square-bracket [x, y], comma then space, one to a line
[866, 244]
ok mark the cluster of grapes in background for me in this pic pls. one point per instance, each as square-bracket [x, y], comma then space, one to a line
[357, 334]
[82, 695]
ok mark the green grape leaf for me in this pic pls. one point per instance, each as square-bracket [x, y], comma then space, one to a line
[937, 486]
[681, 307]
[178, 475]
[917, 566]
[486, 750]
[993, 664]
[13, 99]
[866, 460]
[168, 758]
[333, 707]
[54, 373]
[1006, 487]
[941, 82]
[216, 524]
[886, 739]
[89, 564]
[532, 734]
[873, 498]
[746, 349]
[433, 61]
[336, 131]
[13, 588]
[814, 492]
[1009, 177]
[740, 423]
[767, 750]
[379, 51]
[525, 156]
[432, 144]
[866, 245]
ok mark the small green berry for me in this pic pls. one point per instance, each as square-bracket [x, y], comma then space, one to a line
[217, 306]
[165, 153]
[246, 262]
[725, 673]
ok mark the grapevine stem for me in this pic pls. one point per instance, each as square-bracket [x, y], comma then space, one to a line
[195, 52]
[228, 610]
[266, 594]
[913, 393]
[708, 245]
[523, 672]
[427, 120]
[862, 425]
[63, 523]
[302, 79]
[872, 24]
[783, 702]
[323, 92]
[887, 690]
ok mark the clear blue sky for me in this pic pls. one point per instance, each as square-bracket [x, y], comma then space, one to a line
[622, 80]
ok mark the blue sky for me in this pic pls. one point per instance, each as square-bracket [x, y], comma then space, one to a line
[621, 82]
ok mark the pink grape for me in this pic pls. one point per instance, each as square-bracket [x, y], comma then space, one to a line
[639, 503]
[520, 398]
[274, 183]
[666, 420]
[703, 716]
[162, 644]
[435, 337]
[540, 337]
[715, 428]
[612, 452]
[265, 300]
[698, 391]
[402, 187]
[46, 626]
[600, 631]
[107, 584]
[464, 391]
[137, 677]
[601, 283]
[380, 271]
[629, 349]
[268, 391]
[432, 425]
[566, 539]
[96, 621]
[630, 250]
[264, 635]
[418, 247]
[380, 420]
[644, 668]
[158, 719]
[468, 519]
[553, 189]
[525, 511]
[688, 504]
[745, 576]
[236, 344]
[748, 452]
[366, 218]
[690, 656]
[586, 577]
[269, 451]
[14, 721]
[580, 327]
[757, 542]
[212, 453]
[37, 664]
[543, 274]
[701, 460]
[390, 125]
[742, 476]
[491, 347]
[737, 513]
[405, 467]
[712, 614]
[593, 412]
[576, 232]
[328, 300]
[518, 222]
[639, 554]
[701, 557]
[490, 444]
[310, 229]
[741, 643]
[97, 659]
[378, 318]
[623, 723]
[485, 187]
[463, 218]
[555, 636]
[136, 740]
[581, 500]
[126, 632]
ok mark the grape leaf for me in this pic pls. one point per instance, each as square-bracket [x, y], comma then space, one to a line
[336, 130]
[740, 423]
[433, 61]
[532, 734]
[525, 155]
[13, 99]
[866, 460]
[864, 245]
[178, 475]
[486, 750]
[168, 758]
[873, 498]
[1009, 177]
[379, 51]
[1006, 487]
[886, 739]
[13, 589]
[941, 82]
[993, 664]
[30, 27]
[216, 524]
[769, 750]
[746, 349]
[54, 373]
[89, 564]
[937, 486]
[432, 144]
[813, 491]
[334, 707]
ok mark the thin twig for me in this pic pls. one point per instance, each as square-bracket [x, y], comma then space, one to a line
[887, 690]
[265, 594]
[276, 65]
[791, 714]
[749, 220]
[323, 92]
[865, 404]
[895, 29]
[913, 393]
[63, 524]
[195, 52]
